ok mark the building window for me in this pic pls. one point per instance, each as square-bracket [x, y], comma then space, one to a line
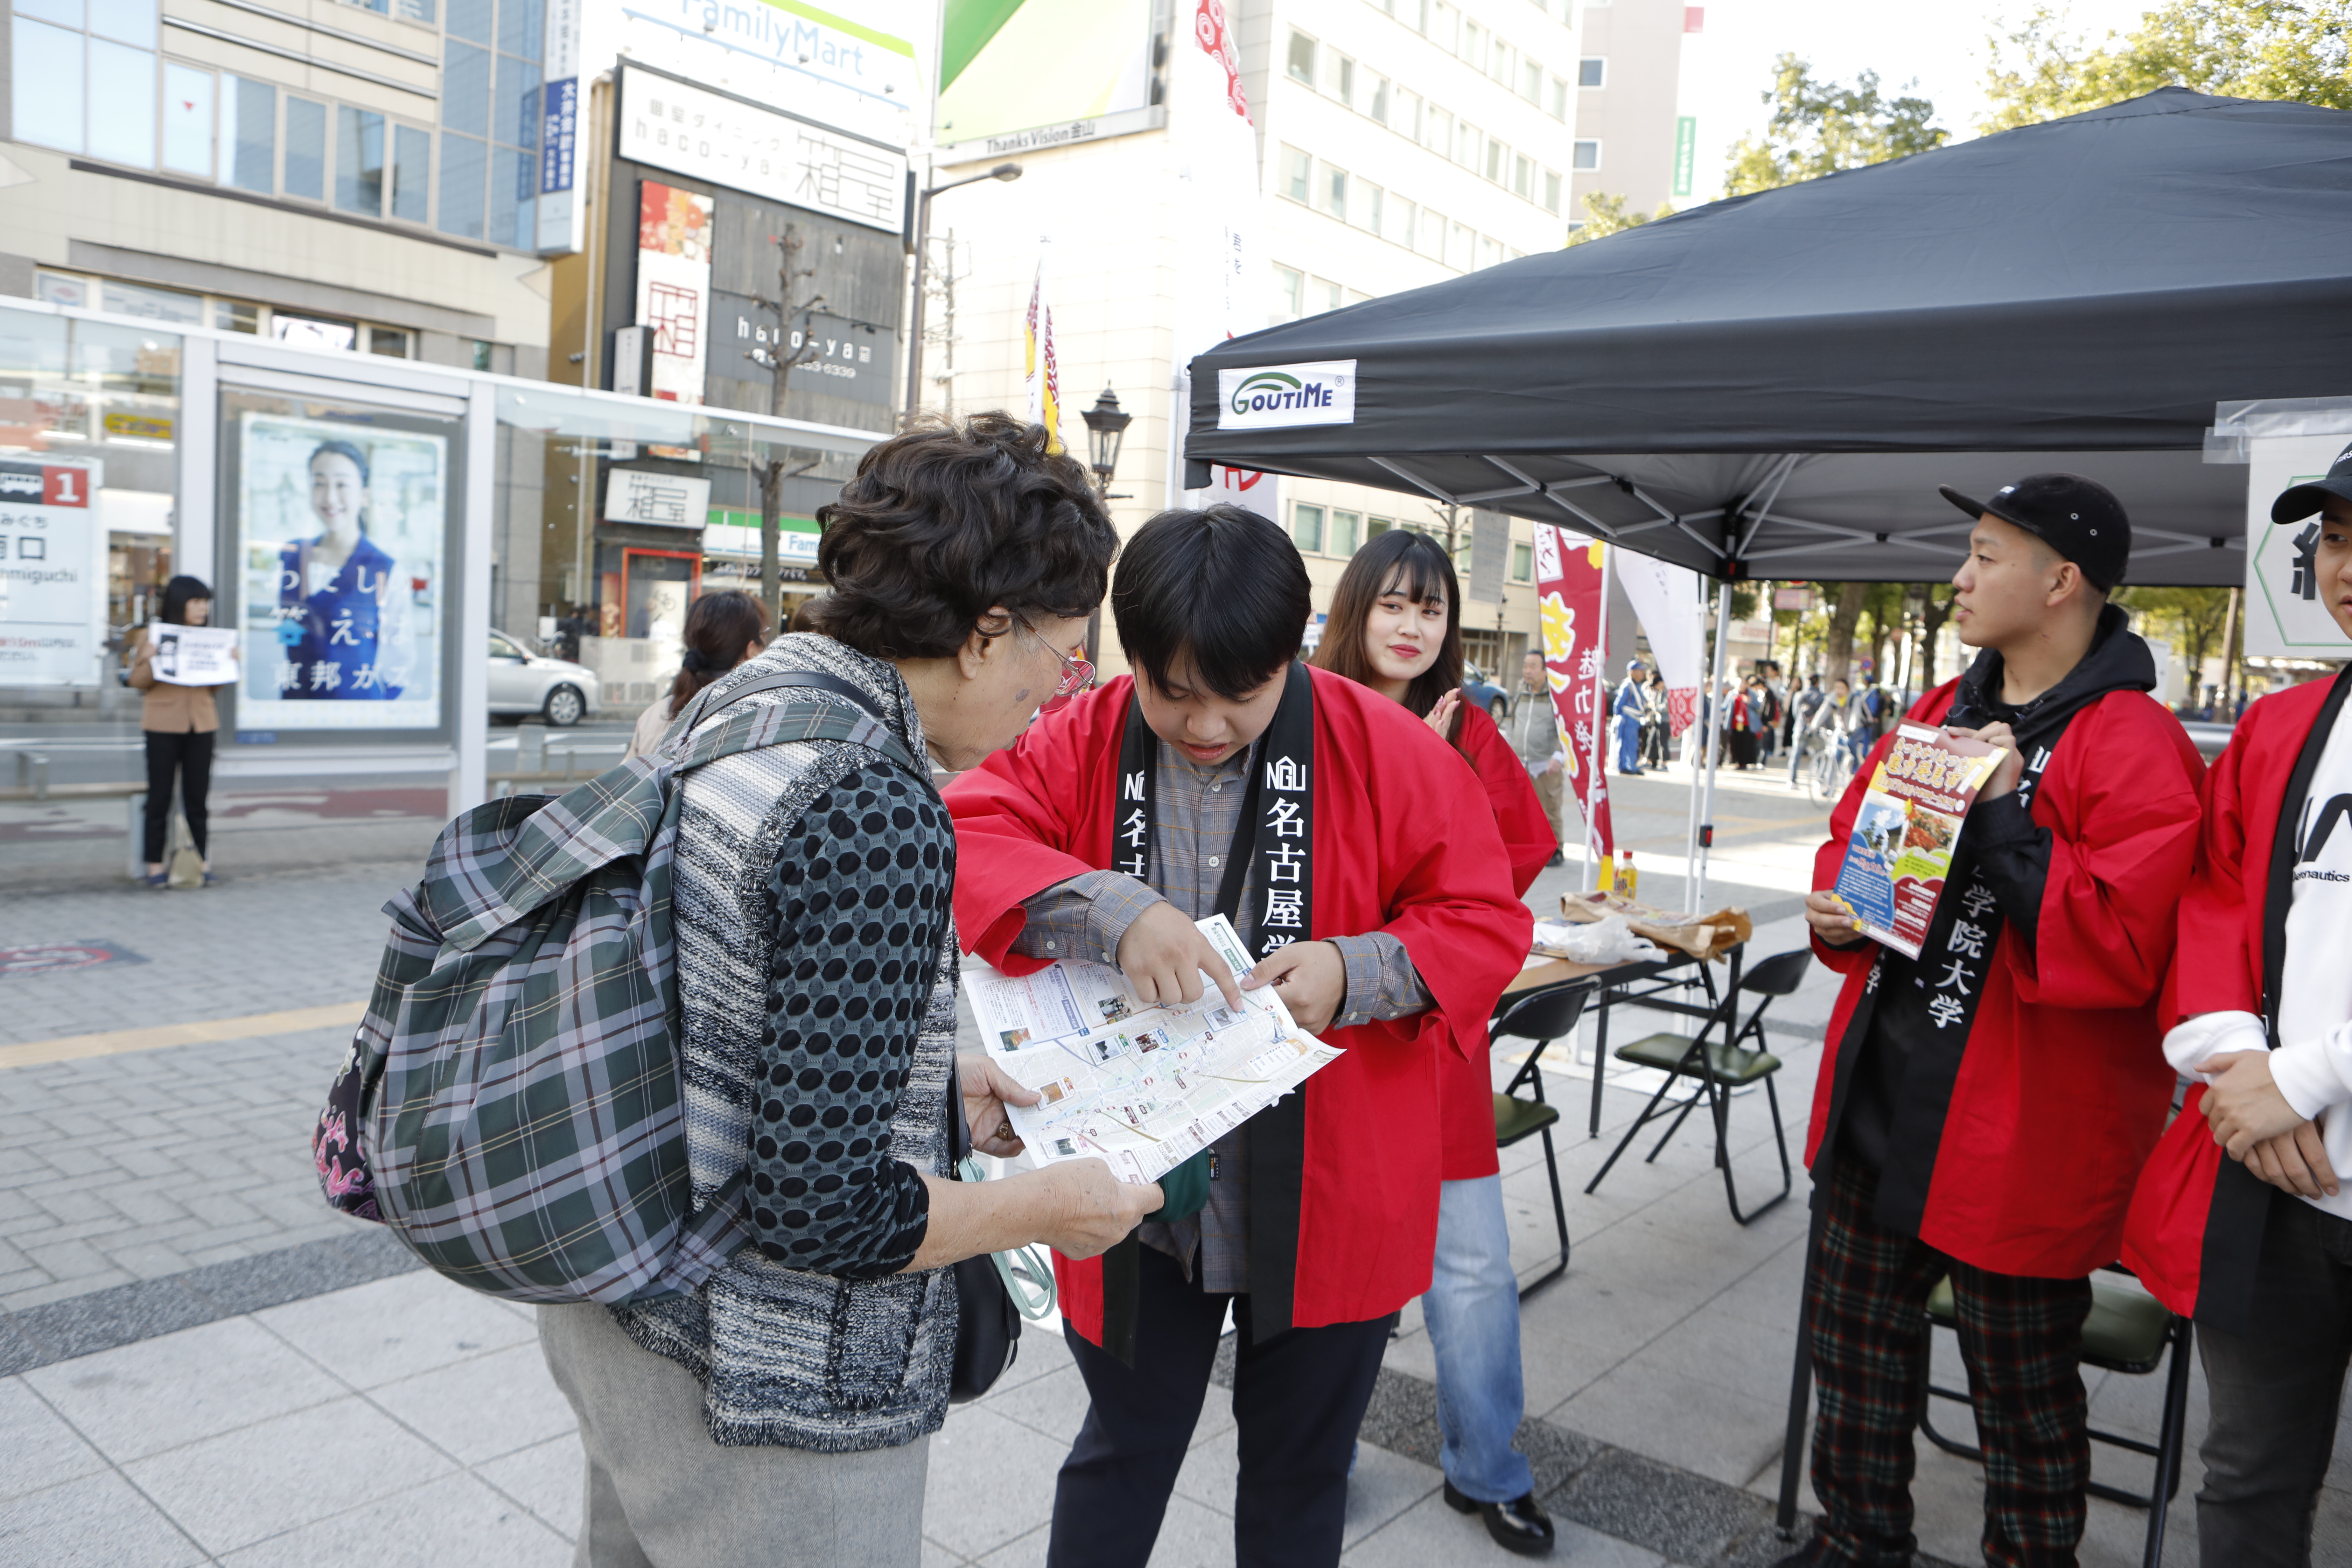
[1523, 561]
[1593, 72]
[1523, 177]
[1465, 144]
[388, 340]
[1377, 103]
[306, 149]
[1473, 44]
[1302, 58]
[249, 134]
[1444, 28]
[1343, 80]
[1367, 213]
[1289, 293]
[1586, 156]
[1460, 244]
[1335, 191]
[1343, 532]
[187, 120]
[1306, 526]
[411, 158]
[1429, 234]
[1326, 295]
[1298, 174]
[1400, 223]
[1440, 140]
[359, 162]
[1407, 123]
[1499, 62]
[1559, 105]
[83, 78]
[236, 316]
[1551, 190]
[1490, 251]
[1497, 160]
[1377, 526]
[1531, 80]
[312, 332]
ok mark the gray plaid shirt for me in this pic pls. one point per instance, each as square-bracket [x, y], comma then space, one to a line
[1198, 810]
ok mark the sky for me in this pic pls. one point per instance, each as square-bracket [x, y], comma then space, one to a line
[1937, 46]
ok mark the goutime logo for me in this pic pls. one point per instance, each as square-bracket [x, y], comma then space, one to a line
[1273, 396]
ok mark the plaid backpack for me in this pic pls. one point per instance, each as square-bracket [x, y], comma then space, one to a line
[512, 1106]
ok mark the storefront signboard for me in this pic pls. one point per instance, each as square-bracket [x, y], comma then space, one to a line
[52, 573]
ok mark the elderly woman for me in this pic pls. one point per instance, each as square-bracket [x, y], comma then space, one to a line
[780, 1415]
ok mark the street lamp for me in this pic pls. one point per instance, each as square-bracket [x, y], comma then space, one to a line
[922, 257]
[1106, 428]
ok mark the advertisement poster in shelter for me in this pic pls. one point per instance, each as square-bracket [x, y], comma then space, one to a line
[341, 530]
[52, 574]
[1571, 592]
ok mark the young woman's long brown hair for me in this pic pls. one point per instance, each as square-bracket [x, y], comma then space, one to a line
[1417, 566]
[719, 627]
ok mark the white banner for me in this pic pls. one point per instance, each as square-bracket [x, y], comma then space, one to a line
[193, 655]
[745, 148]
[1219, 293]
[2286, 608]
[1667, 601]
[52, 574]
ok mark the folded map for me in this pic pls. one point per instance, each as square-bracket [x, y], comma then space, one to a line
[1142, 1087]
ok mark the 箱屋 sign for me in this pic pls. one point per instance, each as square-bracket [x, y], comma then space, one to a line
[52, 574]
[664, 501]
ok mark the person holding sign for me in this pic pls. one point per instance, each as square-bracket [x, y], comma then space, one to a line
[1367, 878]
[178, 723]
[1984, 1107]
[2242, 1219]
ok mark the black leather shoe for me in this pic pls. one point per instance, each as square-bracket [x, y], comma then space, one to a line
[1520, 1525]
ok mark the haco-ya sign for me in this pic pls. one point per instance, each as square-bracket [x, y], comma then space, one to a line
[52, 574]
[1277, 396]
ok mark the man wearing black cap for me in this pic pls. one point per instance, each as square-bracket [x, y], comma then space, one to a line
[1985, 1106]
[2258, 1245]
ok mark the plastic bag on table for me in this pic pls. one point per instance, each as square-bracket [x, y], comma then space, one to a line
[1606, 941]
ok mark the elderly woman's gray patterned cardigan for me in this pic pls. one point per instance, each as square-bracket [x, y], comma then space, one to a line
[816, 962]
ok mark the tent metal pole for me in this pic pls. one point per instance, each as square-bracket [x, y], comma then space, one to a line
[1717, 708]
[1596, 783]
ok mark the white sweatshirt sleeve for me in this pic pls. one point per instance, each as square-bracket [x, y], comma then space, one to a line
[2314, 1074]
[2195, 1041]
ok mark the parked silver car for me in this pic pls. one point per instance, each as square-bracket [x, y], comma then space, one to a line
[523, 683]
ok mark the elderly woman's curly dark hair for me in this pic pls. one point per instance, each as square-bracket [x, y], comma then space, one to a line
[949, 521]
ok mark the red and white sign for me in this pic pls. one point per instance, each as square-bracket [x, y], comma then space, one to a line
[1670, 602]
[1572, 603]
[674, 287]
[52, 574]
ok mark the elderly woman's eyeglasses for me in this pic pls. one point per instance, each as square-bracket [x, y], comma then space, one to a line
[1077, 673]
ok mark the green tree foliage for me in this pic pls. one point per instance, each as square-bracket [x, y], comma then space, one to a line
[1605, 213]
[2293, 50]
[1820, 127]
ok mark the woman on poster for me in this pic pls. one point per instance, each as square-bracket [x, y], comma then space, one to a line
[342, 604]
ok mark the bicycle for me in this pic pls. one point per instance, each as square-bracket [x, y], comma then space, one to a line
[1833, 770]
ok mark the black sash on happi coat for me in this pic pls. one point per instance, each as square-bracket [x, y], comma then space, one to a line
[1272, 852]
[1953, 961]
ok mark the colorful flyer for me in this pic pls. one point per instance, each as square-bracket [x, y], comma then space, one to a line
[1908, 827]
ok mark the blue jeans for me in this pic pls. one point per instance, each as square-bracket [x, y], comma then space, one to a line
[1473, 1313]
[1629, 743]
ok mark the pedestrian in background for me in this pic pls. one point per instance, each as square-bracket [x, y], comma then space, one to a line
[178, 724]
[780, 1414]
[1653, 721]
[1535, 735]
[1625, 720]
[1949, 1139]
[1395, 626]
[722, 630]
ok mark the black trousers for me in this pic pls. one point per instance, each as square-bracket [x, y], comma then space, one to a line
[1299, 1399]
[2276, 1396]
[190, 755]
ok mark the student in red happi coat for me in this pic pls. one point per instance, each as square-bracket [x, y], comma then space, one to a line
[1983, 1109]
[1362, 867]
[1395, 626]
[2240, 1218]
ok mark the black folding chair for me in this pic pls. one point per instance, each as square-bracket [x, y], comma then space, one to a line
[1544, 1017]
[1720, 1067]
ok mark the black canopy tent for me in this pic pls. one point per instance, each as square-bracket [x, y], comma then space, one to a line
[1773, 385]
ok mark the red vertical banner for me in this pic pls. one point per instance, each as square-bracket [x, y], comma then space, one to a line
[1571, 597]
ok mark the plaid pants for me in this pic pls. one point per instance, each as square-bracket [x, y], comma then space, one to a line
[2021, 1339]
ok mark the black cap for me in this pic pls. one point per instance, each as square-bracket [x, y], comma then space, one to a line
[2080, 519]
[2299, 501]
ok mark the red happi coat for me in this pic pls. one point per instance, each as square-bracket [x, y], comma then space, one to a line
[2063, 1087]
[1400, 844]
[2196, 1209]
[1466, 1097]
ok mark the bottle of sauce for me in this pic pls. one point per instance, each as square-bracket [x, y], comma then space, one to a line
[1628, 879]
